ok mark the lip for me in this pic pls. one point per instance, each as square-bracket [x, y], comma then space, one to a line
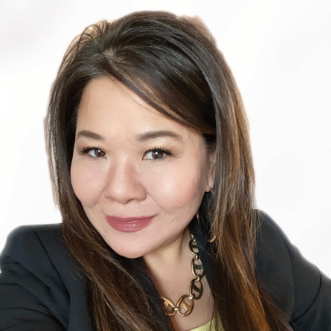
[129, 224]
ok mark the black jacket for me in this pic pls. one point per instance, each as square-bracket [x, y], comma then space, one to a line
[41, 287]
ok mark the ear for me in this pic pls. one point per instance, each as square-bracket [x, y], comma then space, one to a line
[211, 172]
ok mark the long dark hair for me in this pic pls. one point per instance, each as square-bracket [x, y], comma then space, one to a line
[173, 64]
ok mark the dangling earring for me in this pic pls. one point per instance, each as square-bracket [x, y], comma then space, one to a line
[210, 190]
[213, 237]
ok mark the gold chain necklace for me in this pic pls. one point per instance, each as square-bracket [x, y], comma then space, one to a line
[185, 304]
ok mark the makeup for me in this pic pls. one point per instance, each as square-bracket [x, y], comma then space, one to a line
[129, 224]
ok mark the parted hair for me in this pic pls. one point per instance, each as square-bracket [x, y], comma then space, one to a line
[174, 65]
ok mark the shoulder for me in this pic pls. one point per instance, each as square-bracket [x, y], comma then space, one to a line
[36, 247]
[294, 284]
[33, 237]
[40, 280]
[273, 263]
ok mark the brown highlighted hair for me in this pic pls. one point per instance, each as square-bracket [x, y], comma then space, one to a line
[173, 64]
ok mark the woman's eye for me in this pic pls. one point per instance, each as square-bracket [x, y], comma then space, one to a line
[156, 155]
[96, 153]
[93, 152]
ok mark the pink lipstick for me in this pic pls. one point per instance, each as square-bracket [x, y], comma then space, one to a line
[129, 224]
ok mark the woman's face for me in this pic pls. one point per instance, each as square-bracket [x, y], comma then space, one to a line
[139, 175]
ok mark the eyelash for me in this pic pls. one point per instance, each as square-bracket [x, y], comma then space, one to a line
[159, 149]
[166, 151]
[87, 149]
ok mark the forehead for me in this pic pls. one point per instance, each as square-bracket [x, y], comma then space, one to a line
[106, 103]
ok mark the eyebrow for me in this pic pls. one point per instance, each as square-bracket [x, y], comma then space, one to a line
[90, 135]
[141, 137]
[158, 134]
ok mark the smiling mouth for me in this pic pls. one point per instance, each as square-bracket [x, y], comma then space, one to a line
[129, 224]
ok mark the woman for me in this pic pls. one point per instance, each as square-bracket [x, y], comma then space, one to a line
[152, 170]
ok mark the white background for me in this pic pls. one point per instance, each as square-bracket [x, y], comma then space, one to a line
[280, 54]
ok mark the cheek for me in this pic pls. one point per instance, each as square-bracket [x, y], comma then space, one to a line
[178, 187]
[87, 183]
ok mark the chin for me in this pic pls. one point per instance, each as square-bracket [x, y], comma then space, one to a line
[128, 251]
[128, 254]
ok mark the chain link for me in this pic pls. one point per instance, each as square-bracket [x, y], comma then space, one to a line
[185, 304]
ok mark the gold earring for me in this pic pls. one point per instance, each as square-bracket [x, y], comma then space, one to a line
[213, 237]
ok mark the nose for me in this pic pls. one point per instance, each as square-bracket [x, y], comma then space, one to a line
[124, 183]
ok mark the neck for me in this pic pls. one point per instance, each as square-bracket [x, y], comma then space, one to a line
[170, 256]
